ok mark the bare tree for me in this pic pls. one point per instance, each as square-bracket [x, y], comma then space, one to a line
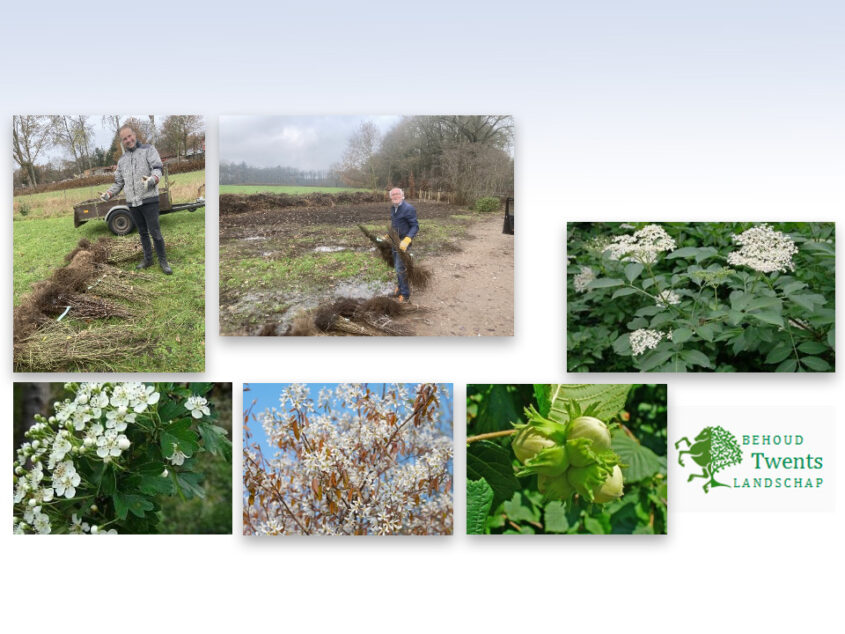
[30, 135]
[112, 121]
[358, 163]
[75, 134]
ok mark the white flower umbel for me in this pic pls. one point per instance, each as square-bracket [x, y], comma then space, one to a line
[583, 279]
[667, 298]
[643, 340]
[198, 406]
[764, 249]
[643, 246]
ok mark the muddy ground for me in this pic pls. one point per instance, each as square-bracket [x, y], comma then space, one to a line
[276, 263]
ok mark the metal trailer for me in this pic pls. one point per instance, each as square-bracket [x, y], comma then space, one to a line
[116, 211]
[507, 225]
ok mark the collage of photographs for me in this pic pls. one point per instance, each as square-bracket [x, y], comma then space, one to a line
[357, 226]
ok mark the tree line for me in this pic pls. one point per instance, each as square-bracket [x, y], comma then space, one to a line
[34, 136]
[244, 174]
[468, 155]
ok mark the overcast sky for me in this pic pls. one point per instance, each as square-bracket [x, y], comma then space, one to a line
[306, 143]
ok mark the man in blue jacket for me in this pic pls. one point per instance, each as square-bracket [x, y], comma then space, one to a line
[138, 173]
[403, 219]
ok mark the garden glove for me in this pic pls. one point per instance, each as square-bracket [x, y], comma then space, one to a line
[150, 181]
[406, 242]
[105, 196]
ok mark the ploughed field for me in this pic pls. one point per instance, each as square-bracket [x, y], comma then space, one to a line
[280, 255]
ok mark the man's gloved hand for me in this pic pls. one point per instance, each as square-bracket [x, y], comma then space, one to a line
[150, 181]
[406, 242]
[104, 196]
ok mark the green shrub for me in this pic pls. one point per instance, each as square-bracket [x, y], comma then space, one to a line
[487, 203]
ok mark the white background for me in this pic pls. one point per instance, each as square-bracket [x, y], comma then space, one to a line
[625, 111]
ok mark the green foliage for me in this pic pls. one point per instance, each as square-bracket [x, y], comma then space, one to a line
[512, 505]
[134, 482]
[723, 317]
[487, 204]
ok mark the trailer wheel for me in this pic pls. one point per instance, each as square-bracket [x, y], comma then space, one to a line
[120, 222]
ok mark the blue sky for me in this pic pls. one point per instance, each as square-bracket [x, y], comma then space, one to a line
[266, 396]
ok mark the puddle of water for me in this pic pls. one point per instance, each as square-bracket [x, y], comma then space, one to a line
[328, 249]
[360, 290]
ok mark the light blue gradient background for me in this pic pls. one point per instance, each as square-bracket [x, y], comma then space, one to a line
[624, 111]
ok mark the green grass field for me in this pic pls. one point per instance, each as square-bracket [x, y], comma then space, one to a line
[183, 187]
[174, 316]
[284, 189]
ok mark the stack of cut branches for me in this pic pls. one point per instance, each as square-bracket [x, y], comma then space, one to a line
[374, 317]
[84, 289]
[418, 276]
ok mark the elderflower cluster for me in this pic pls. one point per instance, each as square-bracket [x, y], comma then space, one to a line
[644, 339]
[643, 246]
[89, 425]
[582, 280]
[764, 249]
[667, 298]
[356, 462]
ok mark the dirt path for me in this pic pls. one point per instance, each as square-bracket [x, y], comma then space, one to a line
[472, 290]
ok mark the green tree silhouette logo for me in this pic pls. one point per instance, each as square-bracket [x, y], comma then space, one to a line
[714, 449]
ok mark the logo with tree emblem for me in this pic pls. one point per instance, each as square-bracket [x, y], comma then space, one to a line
[713, 449]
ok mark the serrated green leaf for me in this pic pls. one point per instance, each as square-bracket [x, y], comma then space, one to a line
[808, 301]
[765, 301]
[170, 410]
[813, 347]
[155, 485]
[633, 271]
[791, 287]
[683, 252]
[641, 461]
[125, 503]
[488, 461]
[780, 352]
[622, 292]
[499, 408]
[696, 357]
[680, 335]
[188, 484]
[479, 502]
[705, 332]
[816, 364]
[768, 317]
[554, 517]
[789, 365]
[658, 357]
[214, 440]
[605, 282]
[610, 398]
[518, 512]
[200, 389]
[541, 395]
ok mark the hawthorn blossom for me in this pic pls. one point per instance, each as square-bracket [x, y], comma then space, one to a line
[109, 444]
[65, 479]
[177, 457]
[764, 249]
[643, 246]
[198, 406]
